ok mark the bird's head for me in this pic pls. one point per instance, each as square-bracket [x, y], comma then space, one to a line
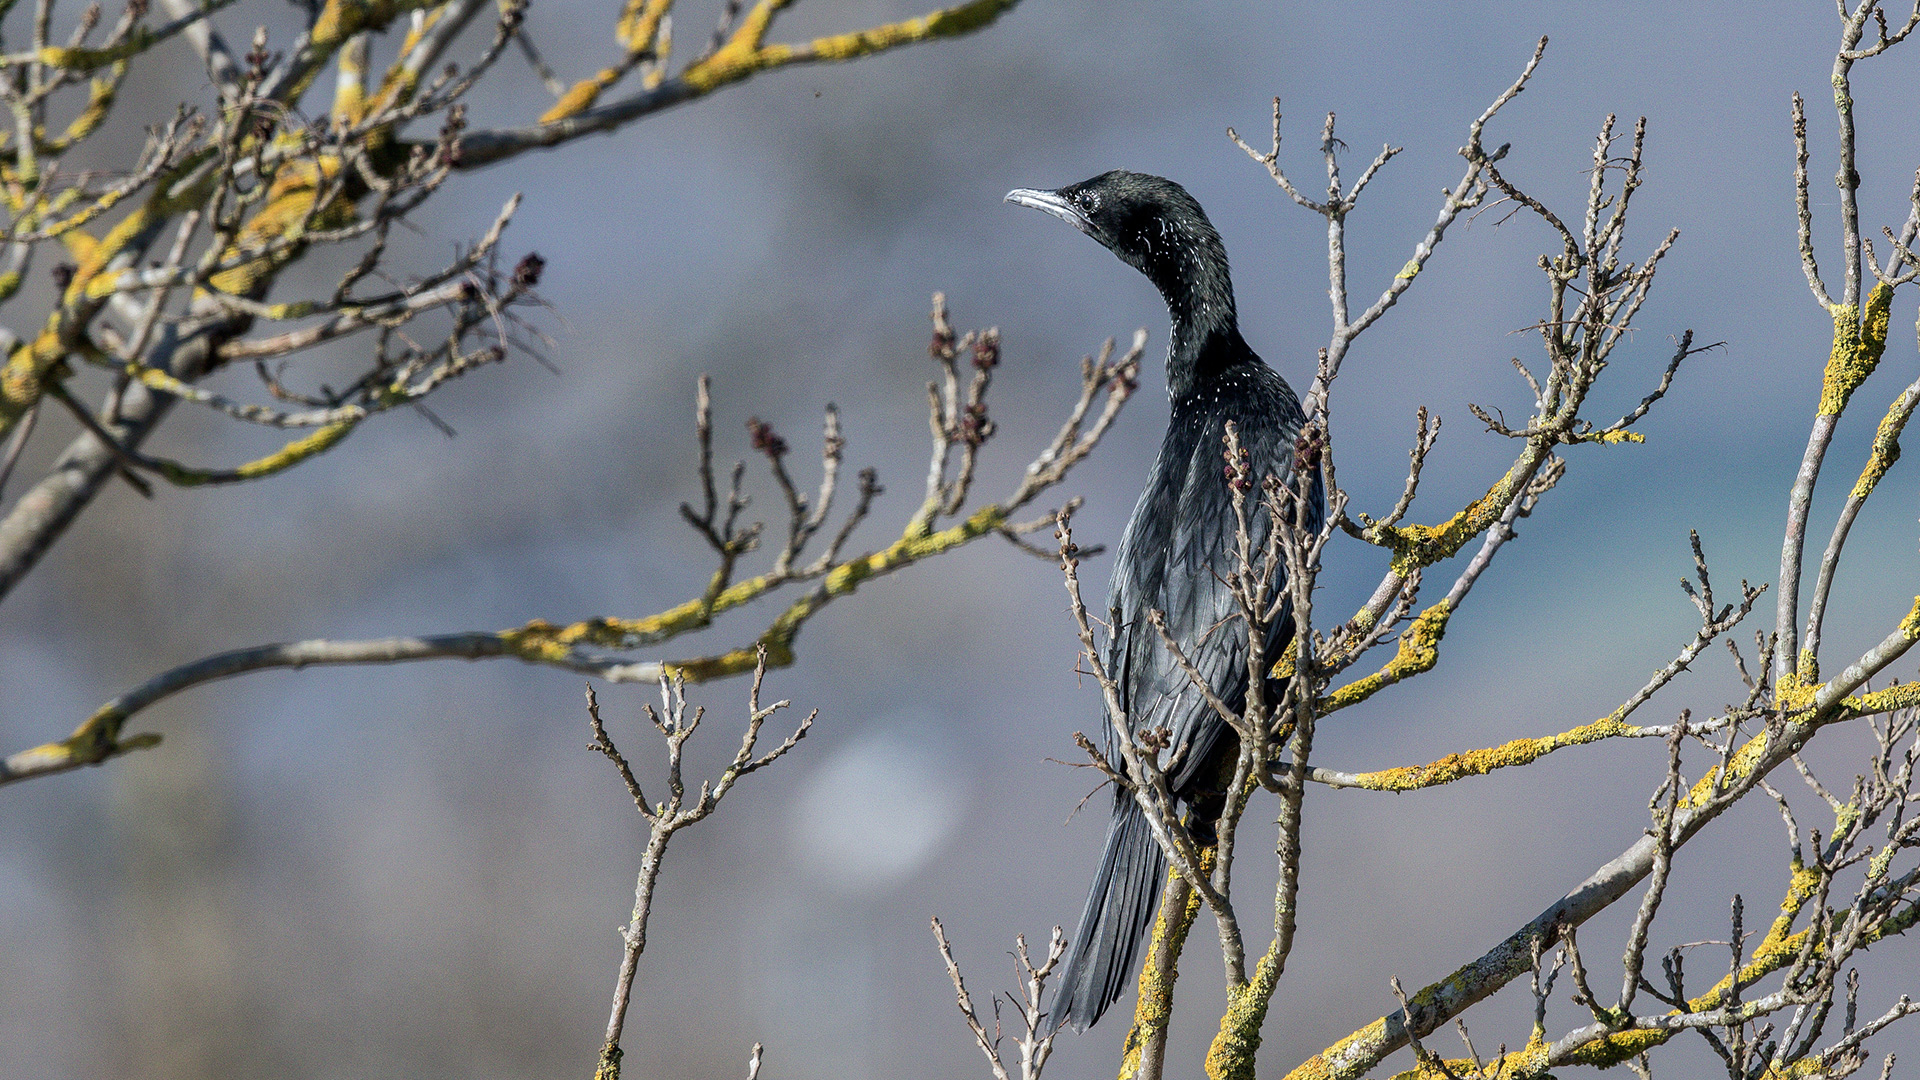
[1153, 225]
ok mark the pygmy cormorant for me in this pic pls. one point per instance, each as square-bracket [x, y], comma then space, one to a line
[1178, 547]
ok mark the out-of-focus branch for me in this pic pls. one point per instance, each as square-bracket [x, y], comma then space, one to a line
[933, 529]
[677, 811]
[212, 48]
[1035, 1047]
[744, 55]
[268, 186]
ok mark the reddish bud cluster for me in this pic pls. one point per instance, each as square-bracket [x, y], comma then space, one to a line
[975, 427]
[1239, 471]
[986, 350]
[942, 345]
[765, 440]
[526, 272]
[449, 150]
[1308, 448]
[259, 61]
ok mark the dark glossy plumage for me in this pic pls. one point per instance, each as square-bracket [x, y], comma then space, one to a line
[1177, 546]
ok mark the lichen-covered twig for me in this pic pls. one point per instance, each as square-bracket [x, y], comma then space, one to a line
[271, 179]
[745, 54]
[588, 646]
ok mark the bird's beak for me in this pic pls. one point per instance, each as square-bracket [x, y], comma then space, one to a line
[1051, 203]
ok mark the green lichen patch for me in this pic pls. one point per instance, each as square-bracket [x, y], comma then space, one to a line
[1857, 346]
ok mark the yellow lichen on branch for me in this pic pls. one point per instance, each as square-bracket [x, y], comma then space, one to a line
[1323, 1065]
[319, 442]
[339, 20]
[20, 377]
[85, 60]
[1886, 447]
[1416, 547]
[542, 641]
[97, 738]
[1419, 650]
[350, 83]
[744, 55]
[1795, 697]
[100, 98]
[93, 743]
[138, 40]
[581, 95]
[1231, 1054]
[1776, 951]
[89, 213]
[1153, 1010]
[1857, 346]
[640, 22]
[1607, 438]
[289, 209]
[1878, 702]
[639, 25]
[1481, 762]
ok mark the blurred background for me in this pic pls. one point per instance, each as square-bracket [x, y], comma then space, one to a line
[419, 871]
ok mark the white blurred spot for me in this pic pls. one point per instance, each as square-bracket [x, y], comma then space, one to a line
[879, 808]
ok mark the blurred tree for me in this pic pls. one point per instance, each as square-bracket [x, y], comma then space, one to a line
[232, 192]
[167, 276]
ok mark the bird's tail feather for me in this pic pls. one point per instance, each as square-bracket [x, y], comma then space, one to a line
[1118, 913]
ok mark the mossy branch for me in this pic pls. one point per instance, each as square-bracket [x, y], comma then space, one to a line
[1146, 1044]
[1858, 343]
[1744, 767]
[141, 39]
[1418, 651]
[579, 646]
[1459, 766]
[743, 56]
[1780, 948]
[98, 738]
[1418, 648]
[1859, 340]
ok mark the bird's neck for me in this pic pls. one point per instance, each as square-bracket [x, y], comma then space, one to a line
[1206, 332]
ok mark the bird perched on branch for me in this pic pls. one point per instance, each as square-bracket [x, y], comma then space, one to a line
[1178, 549]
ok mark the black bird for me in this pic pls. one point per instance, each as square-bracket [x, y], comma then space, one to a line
[1178, 545]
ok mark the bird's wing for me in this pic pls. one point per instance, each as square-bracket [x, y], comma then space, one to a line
[1196, 549]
